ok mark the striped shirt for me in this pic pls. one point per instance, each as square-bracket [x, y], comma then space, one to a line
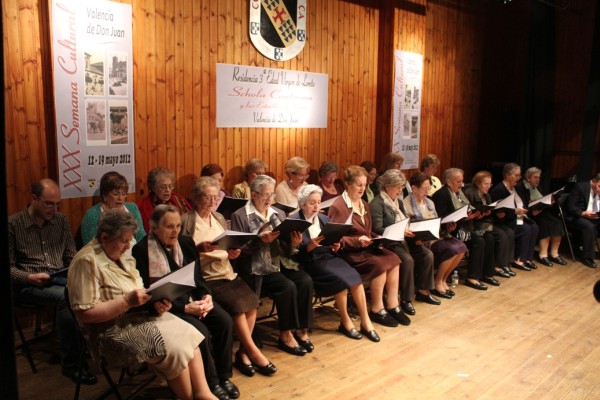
[32, 249]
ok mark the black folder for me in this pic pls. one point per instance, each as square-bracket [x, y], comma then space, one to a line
[285, 208]
[232, 240]
[59, 276]
[229, 205]
[423, 229]
[333, 232]
[290, 225]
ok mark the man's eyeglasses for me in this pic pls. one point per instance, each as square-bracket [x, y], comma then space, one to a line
[265, 196]
[49, 204]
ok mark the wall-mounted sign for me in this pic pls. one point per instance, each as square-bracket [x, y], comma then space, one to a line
[406, 125]
[278, 27]
[93, 95]
[267, 97]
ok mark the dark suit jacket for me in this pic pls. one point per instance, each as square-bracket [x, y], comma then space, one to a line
[190, 254]
[303, 256]
[500, 192]
[578, 199]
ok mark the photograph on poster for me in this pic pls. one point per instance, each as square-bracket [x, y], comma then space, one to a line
[414, 127]
[406, 126]
[415, 99]
[407, 96]
[118, 114]
[95, 115]
[117, 74]
[94, 73]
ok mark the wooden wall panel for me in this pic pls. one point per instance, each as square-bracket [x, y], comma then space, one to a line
[177, 44]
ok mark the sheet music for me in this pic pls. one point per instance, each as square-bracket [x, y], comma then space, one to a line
[327, 203]
[182, 276]
[508, 202]
[395, 231]
[547, 199]
[456, 215]
[431, 225]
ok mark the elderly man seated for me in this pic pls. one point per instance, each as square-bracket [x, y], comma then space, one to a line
[583, 214]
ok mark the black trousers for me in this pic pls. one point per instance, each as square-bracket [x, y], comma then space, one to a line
[481, 256]
[292, 292]
[504, 242]
[216, 348]
[525, 238]
[588, 230]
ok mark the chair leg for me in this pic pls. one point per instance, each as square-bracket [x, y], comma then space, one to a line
[114, 386]
[562, 217]
[24, 346]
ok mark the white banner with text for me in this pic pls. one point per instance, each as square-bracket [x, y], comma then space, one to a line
[406, 127]
[266, 97]
[93, 94]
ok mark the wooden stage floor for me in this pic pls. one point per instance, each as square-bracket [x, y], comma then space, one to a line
[534, 337]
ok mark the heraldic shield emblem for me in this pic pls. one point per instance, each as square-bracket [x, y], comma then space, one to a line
[278, 27]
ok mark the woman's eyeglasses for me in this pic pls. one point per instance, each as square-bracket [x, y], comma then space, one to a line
[265, 196]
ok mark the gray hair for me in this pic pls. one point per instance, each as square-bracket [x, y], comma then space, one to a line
[391, 177]
[159, 212]
[327, 167]
[450, 172]
[509, 168]
[532, 171]
[202, 183]
[114, 222]
[306, 191]
[252, 165]
[261, 181]
[156, 173]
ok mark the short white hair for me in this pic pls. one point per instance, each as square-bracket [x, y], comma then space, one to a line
[306, 191]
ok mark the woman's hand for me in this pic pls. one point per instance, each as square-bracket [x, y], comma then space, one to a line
[474, 215]
[162, 306]
[419, 242]
[137, 297]
[296, 238]
[335, 247]
[206, 247]
[409, 233]
[451, 226]
[232, 254]
[520, 211]
[314, 243]
[364, 241]
[535, 212]
[268, 237]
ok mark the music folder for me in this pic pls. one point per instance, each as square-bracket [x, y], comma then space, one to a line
[426, 229]
[483, 207]
[541, 203]
[174, 284]
[290, 225]
[333, 232]
[327, 203]
[393, 233]
[285, 208]
[456, 216]
[59, 276]
[232, 240]
[229, 205]
[508, 202]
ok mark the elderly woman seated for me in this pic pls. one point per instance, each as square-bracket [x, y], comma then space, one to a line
[266, 267]
[550, 226]
[161, 187]
[328, 180]
[204, 224]
[417, 260]
[164, 251]
[113, 192]
[331, 275]
[252, 169]
[296, 169]
[448, 251]
[378, 266]
[106, 294]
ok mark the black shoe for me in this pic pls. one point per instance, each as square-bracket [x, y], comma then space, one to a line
[476, 285]
[219, 392]
[371, 335]
[266, 370]
[246, 369]
[399, 316]
[382, 318]
[450, 292]
[443, 295]
[490, 280]
[558, 260]
[531, 264]
[85, 377]
[429, 299]
[352, 333]
[502, 273]
[520, 266]
[296, 350]
[509, 271]
[546, 261]
[407, 307]
[307, 344]
[589, 262]
[230, 388]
